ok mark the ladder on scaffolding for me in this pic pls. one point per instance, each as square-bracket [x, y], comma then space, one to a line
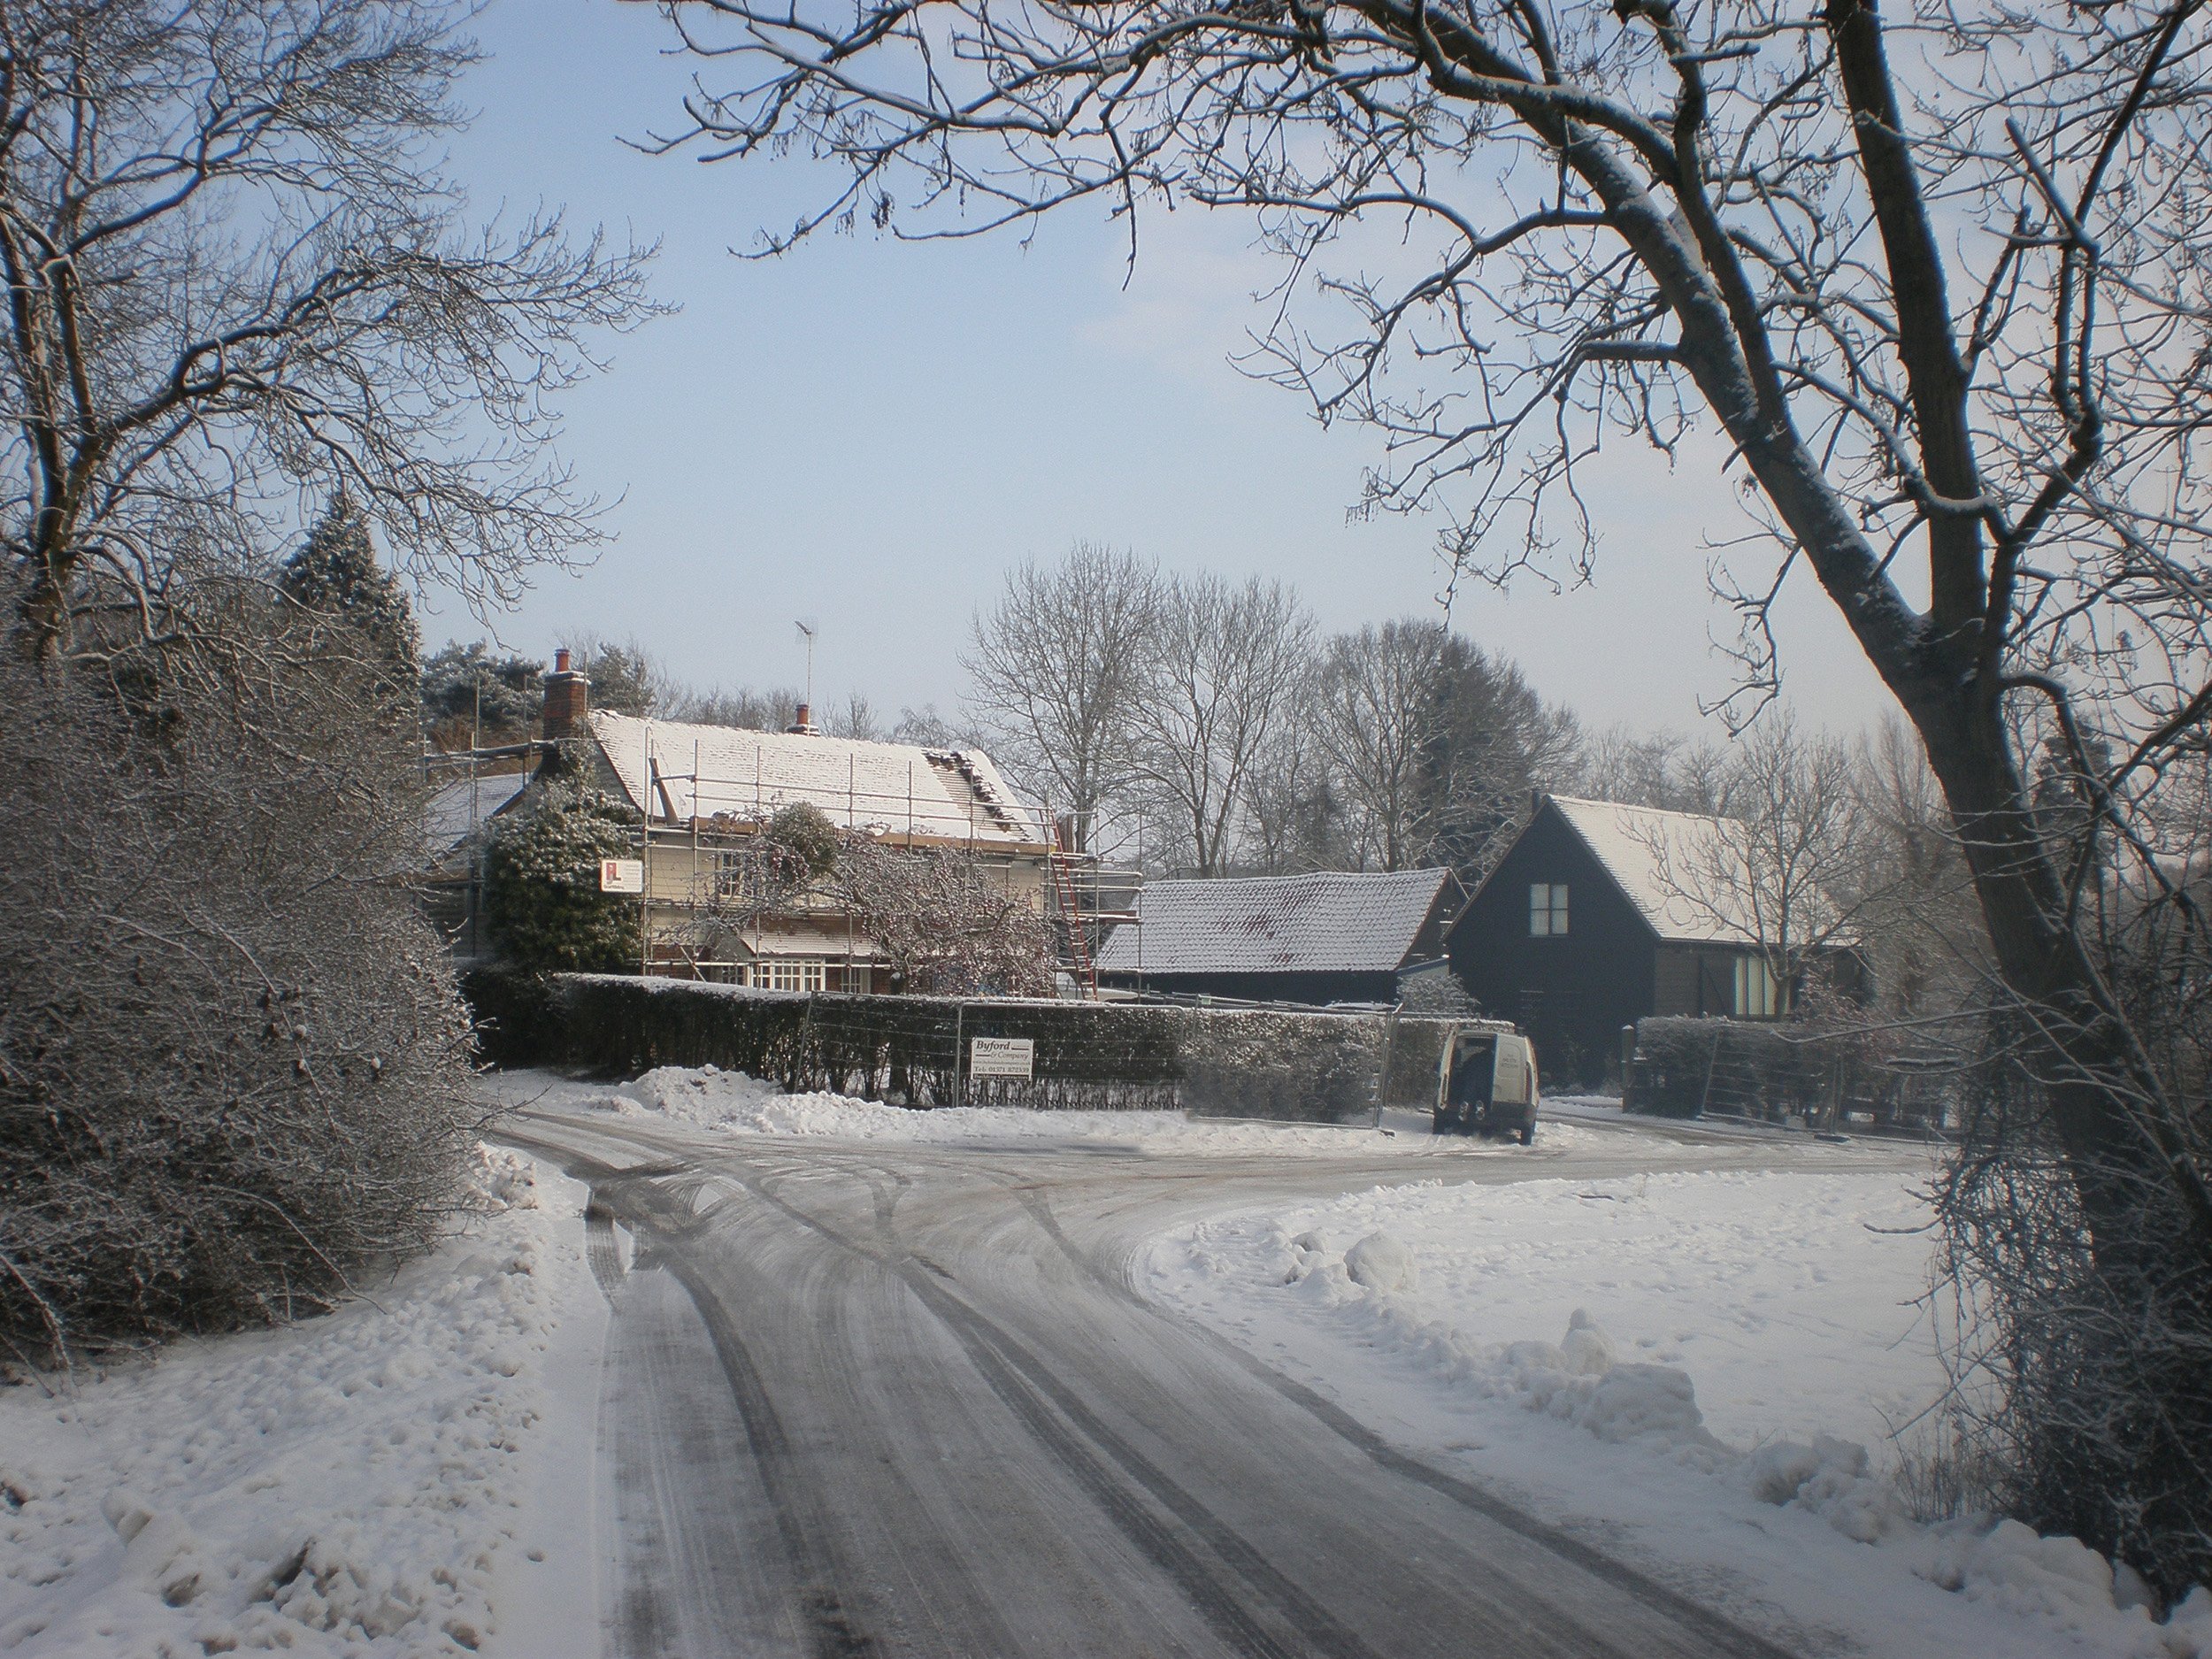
[1084, 970]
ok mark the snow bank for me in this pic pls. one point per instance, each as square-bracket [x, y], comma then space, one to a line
[1430, 1307]
[1578, 1378]
[735, 1103]
[346, 1486]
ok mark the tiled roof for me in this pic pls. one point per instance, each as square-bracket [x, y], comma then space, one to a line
[457, 810]
[1330, 922]
[711, 770]
[1677, 868]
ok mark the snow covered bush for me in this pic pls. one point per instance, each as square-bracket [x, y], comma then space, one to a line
[542, 895]
[2084, 1391]
[233, 1064]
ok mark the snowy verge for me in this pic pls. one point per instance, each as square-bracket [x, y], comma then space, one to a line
[735, 1103]
[1691, 1368]
[371, 1482]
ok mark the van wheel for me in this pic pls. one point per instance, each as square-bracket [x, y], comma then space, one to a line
[1528, 1135]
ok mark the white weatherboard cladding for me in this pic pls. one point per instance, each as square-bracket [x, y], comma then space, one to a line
[1329, 922]
[886, 787]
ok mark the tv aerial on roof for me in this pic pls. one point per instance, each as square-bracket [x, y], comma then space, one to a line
[807, 631]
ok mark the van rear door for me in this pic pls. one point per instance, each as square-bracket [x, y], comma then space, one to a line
[1515, 1074]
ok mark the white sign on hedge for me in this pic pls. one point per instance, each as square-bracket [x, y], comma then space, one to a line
[622, 875]
[1001, 1056]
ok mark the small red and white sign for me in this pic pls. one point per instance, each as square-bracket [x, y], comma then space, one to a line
[622, 875]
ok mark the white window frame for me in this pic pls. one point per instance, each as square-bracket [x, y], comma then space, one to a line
[1757, 995]
[732, 878]
[792, 973]
[1547, 912]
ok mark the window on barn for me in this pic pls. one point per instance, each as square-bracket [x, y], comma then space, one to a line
[1755, 997]
[1546, 908]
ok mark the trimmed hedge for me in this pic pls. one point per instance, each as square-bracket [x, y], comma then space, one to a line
[1794, 1068]
[1245, 1063]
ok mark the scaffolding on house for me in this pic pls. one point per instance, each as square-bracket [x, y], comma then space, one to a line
[1084, 896]
[1081, 896]
[468, 789]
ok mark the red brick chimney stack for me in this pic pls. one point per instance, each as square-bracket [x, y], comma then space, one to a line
[803, 725]
[568, 700]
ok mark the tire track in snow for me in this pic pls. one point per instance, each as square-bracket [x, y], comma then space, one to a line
[1021, 1265]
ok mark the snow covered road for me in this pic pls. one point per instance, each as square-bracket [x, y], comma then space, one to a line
[913, 1398]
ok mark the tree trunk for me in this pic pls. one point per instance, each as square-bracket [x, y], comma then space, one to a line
[2104, 1098]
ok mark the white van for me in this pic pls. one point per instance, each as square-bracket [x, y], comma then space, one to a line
[1485, 1082]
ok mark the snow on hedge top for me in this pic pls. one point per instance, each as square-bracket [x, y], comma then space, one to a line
[735, 1103]
[703, 771]
[1331, 921]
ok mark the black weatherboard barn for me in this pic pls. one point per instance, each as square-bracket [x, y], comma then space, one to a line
[1334, 936]
[1585, 927]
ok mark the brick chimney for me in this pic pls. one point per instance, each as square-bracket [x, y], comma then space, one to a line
[803, 725]
[568, 700]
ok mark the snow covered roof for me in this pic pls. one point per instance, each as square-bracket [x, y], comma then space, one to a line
[1658, 858]
[1329, 922]
[1673, 866]
[456, 810]
[704, 771]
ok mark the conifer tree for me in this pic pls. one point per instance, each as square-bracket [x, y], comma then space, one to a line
[542, 892]
[335, 572]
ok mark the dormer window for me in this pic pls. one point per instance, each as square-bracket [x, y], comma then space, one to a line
[1546, 908]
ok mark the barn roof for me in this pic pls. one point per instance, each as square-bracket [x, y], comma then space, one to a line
[1329, 922]
[1675, 868]
[706, 771]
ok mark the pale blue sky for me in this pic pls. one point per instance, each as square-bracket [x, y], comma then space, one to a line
[868, 433]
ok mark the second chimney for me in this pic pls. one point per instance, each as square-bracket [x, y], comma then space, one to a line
[568, 700]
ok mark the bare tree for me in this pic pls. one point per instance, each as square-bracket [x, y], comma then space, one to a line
[1295, 814]
[770, 710]
[1919, 925]
[1782, 862]
[929, 729]
[1055, 671]
[236, 279]
[1225, 667]
[947, 922]
[1380, 697]
[857, 720]
[1939, 284]
[1661, 769]
[1495, 742]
